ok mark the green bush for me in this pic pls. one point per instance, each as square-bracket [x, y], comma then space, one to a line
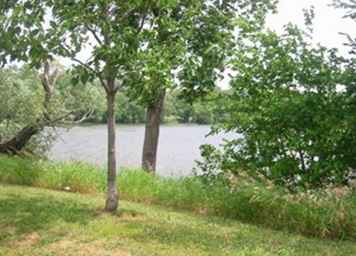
[293, 107]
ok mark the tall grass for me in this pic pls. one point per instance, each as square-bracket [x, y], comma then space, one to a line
[319, 214]
[68, 176]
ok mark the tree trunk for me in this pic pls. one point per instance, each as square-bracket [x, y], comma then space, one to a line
[16, 144]
[112, 200]
[150, 146]
[19, 141]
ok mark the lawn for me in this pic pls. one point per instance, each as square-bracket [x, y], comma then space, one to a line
[42, 222]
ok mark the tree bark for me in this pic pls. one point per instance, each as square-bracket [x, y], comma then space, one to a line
[150, 146]
[19, 141]
[112, 200]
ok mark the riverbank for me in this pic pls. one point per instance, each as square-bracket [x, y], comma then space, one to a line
[324, 214]
[38, 222]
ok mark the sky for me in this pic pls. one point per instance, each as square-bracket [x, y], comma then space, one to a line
[328, 22]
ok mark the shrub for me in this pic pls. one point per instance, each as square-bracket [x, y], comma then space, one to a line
[292, 106]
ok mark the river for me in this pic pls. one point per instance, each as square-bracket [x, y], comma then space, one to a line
[178, 146]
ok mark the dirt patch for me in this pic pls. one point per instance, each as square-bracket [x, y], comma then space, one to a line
[130, 215]
[28, 241]
[122, 215]
[7, 229]
[6, 232]
[71, 247]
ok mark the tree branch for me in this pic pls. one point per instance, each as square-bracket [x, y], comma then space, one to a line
[83, 64]
[95, 35]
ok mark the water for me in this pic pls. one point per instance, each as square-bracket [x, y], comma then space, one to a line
[177, 151]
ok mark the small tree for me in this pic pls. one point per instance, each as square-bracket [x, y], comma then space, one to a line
[295, 119]
[190, 51]
[38, 30]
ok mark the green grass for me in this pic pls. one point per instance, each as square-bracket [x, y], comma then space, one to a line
[39, 222]
[320, 215]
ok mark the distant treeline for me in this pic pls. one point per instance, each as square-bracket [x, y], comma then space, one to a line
[176, 110]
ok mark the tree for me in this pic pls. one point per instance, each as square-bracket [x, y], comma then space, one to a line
[190, 51]
[33, 100]
[19, 109]
[290, 105]
[150, 144]
[21, 139]
[115, 27]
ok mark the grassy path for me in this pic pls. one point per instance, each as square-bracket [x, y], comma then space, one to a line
[42, 222]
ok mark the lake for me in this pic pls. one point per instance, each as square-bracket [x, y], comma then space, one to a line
[177, 151]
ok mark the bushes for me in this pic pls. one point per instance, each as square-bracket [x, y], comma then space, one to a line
[319, 213]
[293, 106]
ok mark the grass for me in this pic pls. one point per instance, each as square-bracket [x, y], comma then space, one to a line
[39, 222]
[318, 215]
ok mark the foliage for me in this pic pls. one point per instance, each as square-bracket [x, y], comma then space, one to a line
[20, 95]
[185, 42]
[85, 101]
[290, 104]
[138, 43]
[22, 104]
[20, 100]
[325, 213]
[190, 46]
[201, 111]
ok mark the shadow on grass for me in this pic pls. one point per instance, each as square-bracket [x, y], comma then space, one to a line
[27, 214]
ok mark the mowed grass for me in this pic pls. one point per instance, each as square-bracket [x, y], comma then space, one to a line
[39, 222]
